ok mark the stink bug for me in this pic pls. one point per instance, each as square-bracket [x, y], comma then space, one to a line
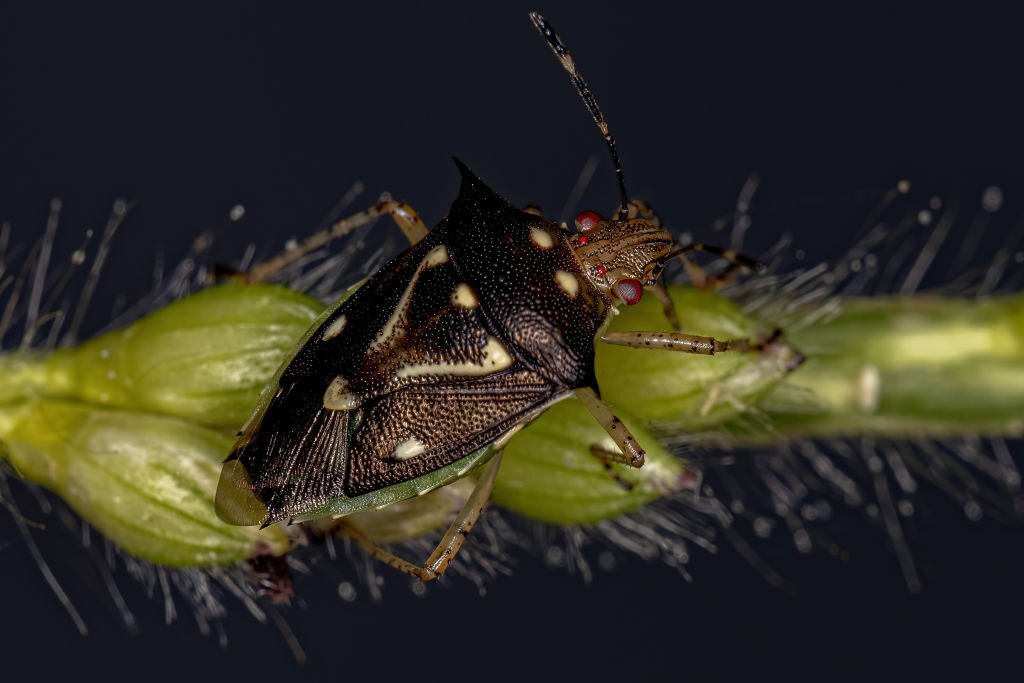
[434, 362]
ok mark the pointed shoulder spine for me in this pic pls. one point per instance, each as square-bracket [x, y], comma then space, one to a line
[477, 191]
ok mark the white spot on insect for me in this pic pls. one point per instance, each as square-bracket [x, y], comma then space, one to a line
[494, 358]
[409, 448]
[436, 256]
[335, 328]
[542, 238]
[338, 396]
[464, 296]
[568, 282]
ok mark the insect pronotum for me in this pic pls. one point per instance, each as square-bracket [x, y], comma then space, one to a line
[430, 366]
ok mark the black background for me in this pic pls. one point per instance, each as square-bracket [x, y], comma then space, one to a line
[191, 109]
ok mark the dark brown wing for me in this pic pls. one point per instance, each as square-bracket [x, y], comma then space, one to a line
[290, 457]
[289, 460]
[405, 377]
[422, 428]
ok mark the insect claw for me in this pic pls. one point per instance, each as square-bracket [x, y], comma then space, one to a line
[796, 361]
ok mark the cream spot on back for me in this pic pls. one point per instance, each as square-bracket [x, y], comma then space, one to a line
[464, 296]
[335, 328]
[338, 396]
[495, 358]
[496, 355]
[568, 283]
[436, 256]
[409, 448]
[542, 238]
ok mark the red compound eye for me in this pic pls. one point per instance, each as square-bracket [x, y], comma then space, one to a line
[587, 220]
[582, 241]
[630, 291]
[601, 270]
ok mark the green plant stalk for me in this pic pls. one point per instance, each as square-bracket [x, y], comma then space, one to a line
[124, 413]
[918, 366]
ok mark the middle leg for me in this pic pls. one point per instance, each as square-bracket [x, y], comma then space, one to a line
[686, 343]
[630, 452]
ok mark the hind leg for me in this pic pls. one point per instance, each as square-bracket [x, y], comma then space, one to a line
[408, 221]
[452, 540]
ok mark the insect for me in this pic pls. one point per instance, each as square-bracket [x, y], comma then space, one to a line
[434, 362]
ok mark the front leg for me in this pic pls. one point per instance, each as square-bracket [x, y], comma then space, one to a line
[686, 343]
[668, 307]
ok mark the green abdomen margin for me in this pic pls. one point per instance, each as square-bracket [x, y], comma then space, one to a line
[339, 507]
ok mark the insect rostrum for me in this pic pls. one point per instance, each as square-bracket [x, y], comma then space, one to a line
[424, 371]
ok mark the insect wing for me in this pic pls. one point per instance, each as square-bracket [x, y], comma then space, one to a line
[422, 428]
[290, 457]
[404, 378]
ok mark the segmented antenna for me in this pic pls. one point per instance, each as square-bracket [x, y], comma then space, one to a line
[562, 52]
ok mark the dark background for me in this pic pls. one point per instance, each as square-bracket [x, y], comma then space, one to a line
[191, 109]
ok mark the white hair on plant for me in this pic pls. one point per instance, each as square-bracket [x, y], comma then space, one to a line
[794, 484]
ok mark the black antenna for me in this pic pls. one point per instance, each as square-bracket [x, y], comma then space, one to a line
[562, 52]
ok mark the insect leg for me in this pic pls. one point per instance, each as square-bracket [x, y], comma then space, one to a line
[700, 278]
[687, 343]
[607, 457]
[660, 292]
[452, 540]
[631, 453]
[408, 220]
